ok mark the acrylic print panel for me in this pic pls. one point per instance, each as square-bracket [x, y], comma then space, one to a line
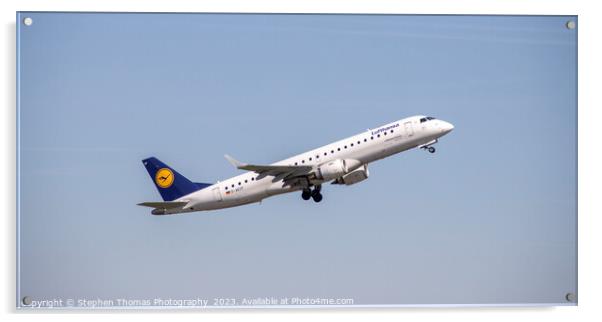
[488, 219]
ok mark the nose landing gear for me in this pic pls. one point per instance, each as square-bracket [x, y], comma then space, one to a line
[429, 146]
[314, 194]
[431, 149]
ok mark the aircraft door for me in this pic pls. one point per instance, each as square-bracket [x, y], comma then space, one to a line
[217, 195]
[409, 129]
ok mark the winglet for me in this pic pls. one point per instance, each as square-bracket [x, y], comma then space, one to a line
[234, 162]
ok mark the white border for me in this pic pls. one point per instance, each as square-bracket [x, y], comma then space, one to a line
[589, 26]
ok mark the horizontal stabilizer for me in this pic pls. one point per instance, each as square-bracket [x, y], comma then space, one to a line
[164, 205]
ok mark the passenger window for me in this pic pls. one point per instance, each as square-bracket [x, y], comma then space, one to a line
[345, 146]
[351, 144]
[325, 153]
[391, 131]
[302, 161]
[365, 140]
[378, 136]
[246, 181]
[310, 159]
[371, 138]
[338, 149]
[296, 163]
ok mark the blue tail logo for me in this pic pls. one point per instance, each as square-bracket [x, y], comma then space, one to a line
[170, 184]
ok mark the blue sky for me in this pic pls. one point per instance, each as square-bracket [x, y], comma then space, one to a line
[489, 218]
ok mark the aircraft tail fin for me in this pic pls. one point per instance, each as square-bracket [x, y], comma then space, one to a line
[169, 182]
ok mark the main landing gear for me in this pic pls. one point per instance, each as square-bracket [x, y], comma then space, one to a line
[314, 194]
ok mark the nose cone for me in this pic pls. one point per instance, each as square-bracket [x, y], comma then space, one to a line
[446, 127]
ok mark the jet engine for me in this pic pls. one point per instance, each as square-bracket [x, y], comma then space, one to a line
[355, 176]
[331, 170]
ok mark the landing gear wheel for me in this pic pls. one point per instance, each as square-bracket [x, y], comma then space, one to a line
[317, 189]
[317, 197]
[306, 194]
[431, 149]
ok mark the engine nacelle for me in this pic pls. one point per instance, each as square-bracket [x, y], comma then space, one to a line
[332, 170]
[355, 176]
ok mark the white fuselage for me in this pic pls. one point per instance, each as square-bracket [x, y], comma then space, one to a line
[362, 149]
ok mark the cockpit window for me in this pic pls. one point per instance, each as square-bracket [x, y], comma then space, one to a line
[422, 120]
[428, 118]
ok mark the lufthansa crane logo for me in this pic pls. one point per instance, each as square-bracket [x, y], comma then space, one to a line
[164, 178]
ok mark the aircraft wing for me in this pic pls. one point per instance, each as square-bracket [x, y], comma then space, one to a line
[278, 171]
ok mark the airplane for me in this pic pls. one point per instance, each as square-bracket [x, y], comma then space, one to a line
[344, 162]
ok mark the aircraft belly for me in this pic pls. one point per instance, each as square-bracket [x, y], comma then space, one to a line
[229, 203]
[277, 188]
